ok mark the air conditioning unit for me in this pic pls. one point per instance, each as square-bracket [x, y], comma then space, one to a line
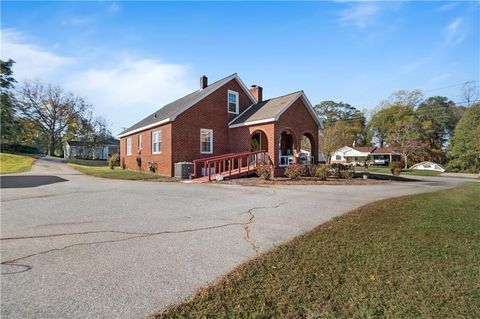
[183, 170]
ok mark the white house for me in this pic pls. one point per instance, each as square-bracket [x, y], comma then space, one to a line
[86, 150]
[365, 154]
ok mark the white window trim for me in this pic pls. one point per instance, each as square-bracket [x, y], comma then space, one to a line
[228, 101]
[159, 142]
[210, 131]
[127, 143]
[140, 142]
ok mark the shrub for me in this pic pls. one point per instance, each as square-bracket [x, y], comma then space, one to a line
[346, 174]
[311, 170]
[396, 167]
[264, 172]
[322, 172]
[295, 171]
[114, 160]
[18, 148]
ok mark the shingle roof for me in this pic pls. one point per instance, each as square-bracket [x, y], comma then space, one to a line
[383, 150]
[266, 110]
[366, 149]
[176, 107]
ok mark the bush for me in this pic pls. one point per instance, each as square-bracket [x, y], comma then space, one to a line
[346, 174]
[396, 167]
[18, 148]
[295, 171]
[311, 170]
[114, 160]
[322, 172]
[264, 172]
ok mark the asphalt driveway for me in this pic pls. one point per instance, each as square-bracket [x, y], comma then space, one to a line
[78, 246]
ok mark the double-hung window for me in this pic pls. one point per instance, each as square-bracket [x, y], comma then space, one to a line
[206, 141]
[129, 146]
[232, 102]
[139, 141]
[156, 142]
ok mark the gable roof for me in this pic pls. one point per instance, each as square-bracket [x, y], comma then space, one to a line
[170, 111]
[364, 149]
[270, 110]
[383, 150]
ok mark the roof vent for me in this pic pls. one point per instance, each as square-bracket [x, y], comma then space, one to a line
[155, 115]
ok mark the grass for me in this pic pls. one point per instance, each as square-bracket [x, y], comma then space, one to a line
[14, 163]
[101, 169]
[411, 257]
[386, 170]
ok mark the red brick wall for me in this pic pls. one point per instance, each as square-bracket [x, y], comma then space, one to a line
[240, 137]
[210, 113]
[299, 121]
[163, 160]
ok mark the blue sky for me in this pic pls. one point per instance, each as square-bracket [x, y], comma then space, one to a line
[129, 58]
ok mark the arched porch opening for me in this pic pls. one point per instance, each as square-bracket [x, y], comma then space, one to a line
[307, 149]
[287, 148]
[258, 141]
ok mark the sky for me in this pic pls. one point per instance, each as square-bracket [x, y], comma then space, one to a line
[130, 58]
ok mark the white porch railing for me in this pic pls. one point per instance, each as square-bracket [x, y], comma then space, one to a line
[285, 160]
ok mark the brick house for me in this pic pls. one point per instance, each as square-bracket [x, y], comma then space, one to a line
[222, 118]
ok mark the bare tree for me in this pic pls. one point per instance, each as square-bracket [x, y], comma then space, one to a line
[50, 108]
[332, 138]
[470, 93]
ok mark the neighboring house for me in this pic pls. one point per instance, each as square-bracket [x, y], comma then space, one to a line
[365, 154]
[218, 119]
[428, 166]
[90, 150]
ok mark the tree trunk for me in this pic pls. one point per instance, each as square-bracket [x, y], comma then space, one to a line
[406, 159]
[51, 145]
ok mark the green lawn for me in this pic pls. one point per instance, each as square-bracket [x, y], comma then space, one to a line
[12, 163]
[100, 169]
[386, 170]
[410, 257]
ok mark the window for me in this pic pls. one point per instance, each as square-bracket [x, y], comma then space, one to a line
[232, 102]
[139, 141]
[338, 157]
[156, 142]
[129, 146]
[206, 141]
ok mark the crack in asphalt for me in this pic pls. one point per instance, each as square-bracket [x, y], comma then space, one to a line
[246, 225]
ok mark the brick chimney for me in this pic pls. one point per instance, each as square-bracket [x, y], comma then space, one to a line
[203, 82]
[257, 92]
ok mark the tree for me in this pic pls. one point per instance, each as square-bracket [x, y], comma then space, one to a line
[331, 112]
[332, 138]
[465, 146]
[470, 93]
[404, 136]
[438, 119]
[50, 109]
[8, 124]
[399, 104]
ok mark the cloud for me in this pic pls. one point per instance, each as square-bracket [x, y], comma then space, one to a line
[454, 34]
[122, 88]
[360, 14]
[113, 8]
[31, 60]
[448, 6]
[78, 21]
[136, 86]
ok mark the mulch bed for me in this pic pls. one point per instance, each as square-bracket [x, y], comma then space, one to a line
[255, 181]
